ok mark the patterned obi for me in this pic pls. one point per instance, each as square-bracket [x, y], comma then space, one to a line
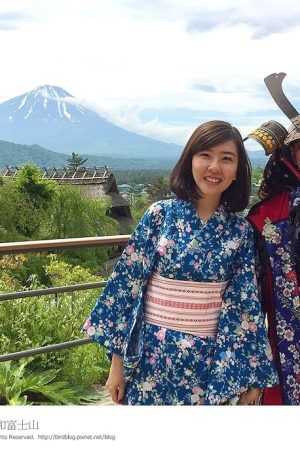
[187, 306]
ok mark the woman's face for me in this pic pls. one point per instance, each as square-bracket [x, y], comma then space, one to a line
[295, 150]
[214, 169]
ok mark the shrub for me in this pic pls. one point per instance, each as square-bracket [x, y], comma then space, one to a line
[35, 322]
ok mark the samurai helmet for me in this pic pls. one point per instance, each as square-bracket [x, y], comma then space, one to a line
[270, 135]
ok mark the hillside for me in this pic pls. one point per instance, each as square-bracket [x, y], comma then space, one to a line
[18, 154]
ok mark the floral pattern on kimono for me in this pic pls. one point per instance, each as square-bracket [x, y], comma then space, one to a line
[286, 302]
[173, 241]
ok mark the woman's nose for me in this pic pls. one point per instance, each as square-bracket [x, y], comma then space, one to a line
[214, 165]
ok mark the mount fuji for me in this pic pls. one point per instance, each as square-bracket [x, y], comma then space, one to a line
[51, 117]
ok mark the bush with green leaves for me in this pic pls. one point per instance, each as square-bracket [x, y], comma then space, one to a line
[36, 322]
[20, 385]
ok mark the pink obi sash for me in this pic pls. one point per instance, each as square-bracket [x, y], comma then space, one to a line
[187, 306]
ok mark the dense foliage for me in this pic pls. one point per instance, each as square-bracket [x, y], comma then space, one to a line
[33, 208]
[36, 322]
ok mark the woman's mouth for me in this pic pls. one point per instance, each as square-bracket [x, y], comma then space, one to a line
[212, 180]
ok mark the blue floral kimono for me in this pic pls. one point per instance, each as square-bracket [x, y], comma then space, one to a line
[165, 366]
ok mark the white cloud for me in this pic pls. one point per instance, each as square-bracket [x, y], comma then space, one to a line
[128, 56]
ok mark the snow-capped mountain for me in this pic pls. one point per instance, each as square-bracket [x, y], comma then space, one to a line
[51, 117]
[44, 104]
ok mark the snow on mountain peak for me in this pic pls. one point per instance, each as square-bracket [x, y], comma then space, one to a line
[49, 103]
[52, 91]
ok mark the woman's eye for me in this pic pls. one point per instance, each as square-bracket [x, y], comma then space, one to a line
[228, 158]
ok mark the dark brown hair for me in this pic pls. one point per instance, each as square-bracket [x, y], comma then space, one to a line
[236, 196]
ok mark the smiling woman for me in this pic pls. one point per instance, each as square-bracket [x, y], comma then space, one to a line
[180, 315]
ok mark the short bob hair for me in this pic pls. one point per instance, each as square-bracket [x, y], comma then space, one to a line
[236, 197]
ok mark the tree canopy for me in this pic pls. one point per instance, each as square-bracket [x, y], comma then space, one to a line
[75, 161]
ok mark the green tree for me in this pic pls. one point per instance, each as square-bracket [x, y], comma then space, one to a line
[139, 206]
[39, 191]
[9, 201]
[73, 215]
[257, 174]
[23, 208]
[34, 200]
[159, 188]
[75, 161]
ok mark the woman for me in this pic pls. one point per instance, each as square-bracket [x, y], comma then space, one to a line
[180, 314]
[276, 221]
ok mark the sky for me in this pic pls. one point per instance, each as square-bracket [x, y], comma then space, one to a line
[159, 67]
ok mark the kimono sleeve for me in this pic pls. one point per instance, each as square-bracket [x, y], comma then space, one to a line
[112, 318]
[243, 356]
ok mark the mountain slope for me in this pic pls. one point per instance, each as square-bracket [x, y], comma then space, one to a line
[51, 117]
[18, 154]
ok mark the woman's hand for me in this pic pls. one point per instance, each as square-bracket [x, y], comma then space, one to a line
[115, 382]
[250, 396]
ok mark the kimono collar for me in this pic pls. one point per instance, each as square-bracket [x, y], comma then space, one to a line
[220, 219]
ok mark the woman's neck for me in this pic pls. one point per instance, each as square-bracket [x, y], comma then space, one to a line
[206, 207]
